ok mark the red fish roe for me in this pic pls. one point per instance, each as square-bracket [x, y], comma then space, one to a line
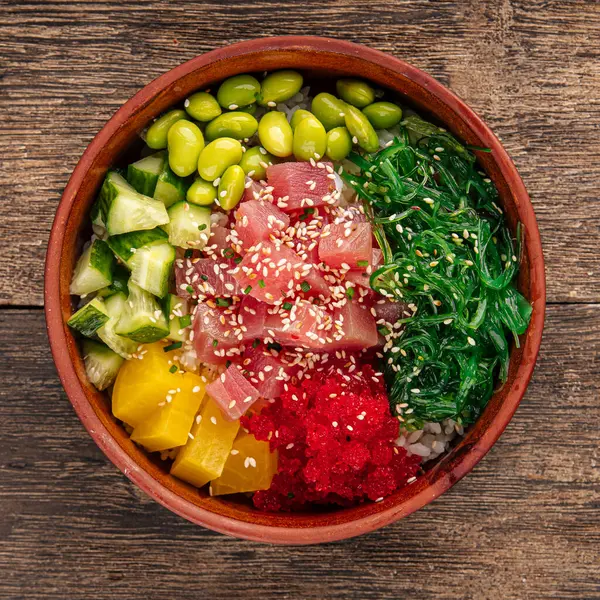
[335, 440]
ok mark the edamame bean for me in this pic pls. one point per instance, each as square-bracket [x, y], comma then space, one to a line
[156, 136]
[202, 106]
[236, 125]
[237, 91]
[383, 115]
[310, 139]
[275, 134]
[279, 87]
[359, 127]
[185, 141]
[339, 143]
[217, 156]
[231, 187]
[355, 91]
[300, 115]
[201, 192]
[255, 162]
[329, 110]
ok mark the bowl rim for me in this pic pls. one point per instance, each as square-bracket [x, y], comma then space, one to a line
[230, 526]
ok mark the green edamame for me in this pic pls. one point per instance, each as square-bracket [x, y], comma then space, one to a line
[217, 156]
[300, 115]
[383, 115]
[310, 139]
[279, 87]
[255, 162]
[156, 136]
[236, 125]
[240, 90]
[201, 192]
[339, 143]
[202, 106]
[231, 187]
[185, 141]
[329, 110]
[359, 127]
[275, 134]
[355, 91]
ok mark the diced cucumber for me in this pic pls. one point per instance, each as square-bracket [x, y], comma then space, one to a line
[93, 270]
[189, 225]
[96, 215]
[149, 256]
[170, 188]
[119, 284]
[142, 320]
[88, 319]
[101, 363]
[124, 210]
[143, 174]
[115, 307]
[125, 245]
[177, 314]
[151, 268]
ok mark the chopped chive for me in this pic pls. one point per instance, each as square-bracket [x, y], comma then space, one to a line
[185, 321]
[237, 260]
[305, 286]
[384, 331]
[350, 293]
[204, 277]
[222, 301]
[190, 289]
[274, 346]
[215, 343]
[188, 253]
[173, 369]
[287, 306]
[202, 227]
[256, 343]
[228, 252]
[227, 364]
[261, 283]
[173, 346]
[248, 290]
[362, 263]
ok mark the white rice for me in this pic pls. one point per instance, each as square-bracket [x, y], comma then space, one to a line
[431, 441]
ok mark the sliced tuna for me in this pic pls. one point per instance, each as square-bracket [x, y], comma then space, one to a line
[267, 371]
[256, 220]
[214, 333]
[357, 325]
[347, 245]
[299, 185]
[233, 393]
[206, 277]
[363, 275]
[272, 270]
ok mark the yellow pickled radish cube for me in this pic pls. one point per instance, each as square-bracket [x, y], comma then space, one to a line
[249, 467]
[144, 383]
[202, 458]
[168, 426]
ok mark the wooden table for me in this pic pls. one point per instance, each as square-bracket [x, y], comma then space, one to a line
[524, 524]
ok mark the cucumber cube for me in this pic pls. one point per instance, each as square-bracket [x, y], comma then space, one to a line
[88, 319]
[93, 270]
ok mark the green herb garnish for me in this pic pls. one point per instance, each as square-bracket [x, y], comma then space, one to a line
[185, 321]
[287, 306]
[223, 302]
[261, 283]
[350, 293]
[173, 346]
[305, 286]
[173, 369]
[362, 263]
[248, 290]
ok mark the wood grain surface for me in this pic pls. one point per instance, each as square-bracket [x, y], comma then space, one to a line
[525, 524]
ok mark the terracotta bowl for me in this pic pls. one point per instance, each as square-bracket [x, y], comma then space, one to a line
[321, 58]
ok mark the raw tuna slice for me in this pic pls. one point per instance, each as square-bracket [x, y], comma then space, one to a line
[233, 393]
[256, 220]
[358, 326]
[207, 278]
[272, 270]
[299, 185]
[251, 318]
[253, 191]
[218, 241]
[214, 335]
[266, 371]
[347, 245]
[362, 276]
[304, 325]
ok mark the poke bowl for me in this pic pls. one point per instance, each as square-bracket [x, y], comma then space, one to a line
[295, 289]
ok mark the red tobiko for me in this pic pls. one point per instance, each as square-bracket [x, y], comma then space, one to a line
[335, 438]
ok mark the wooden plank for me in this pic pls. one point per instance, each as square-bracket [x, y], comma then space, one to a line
[524, 524]
[530, 68]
